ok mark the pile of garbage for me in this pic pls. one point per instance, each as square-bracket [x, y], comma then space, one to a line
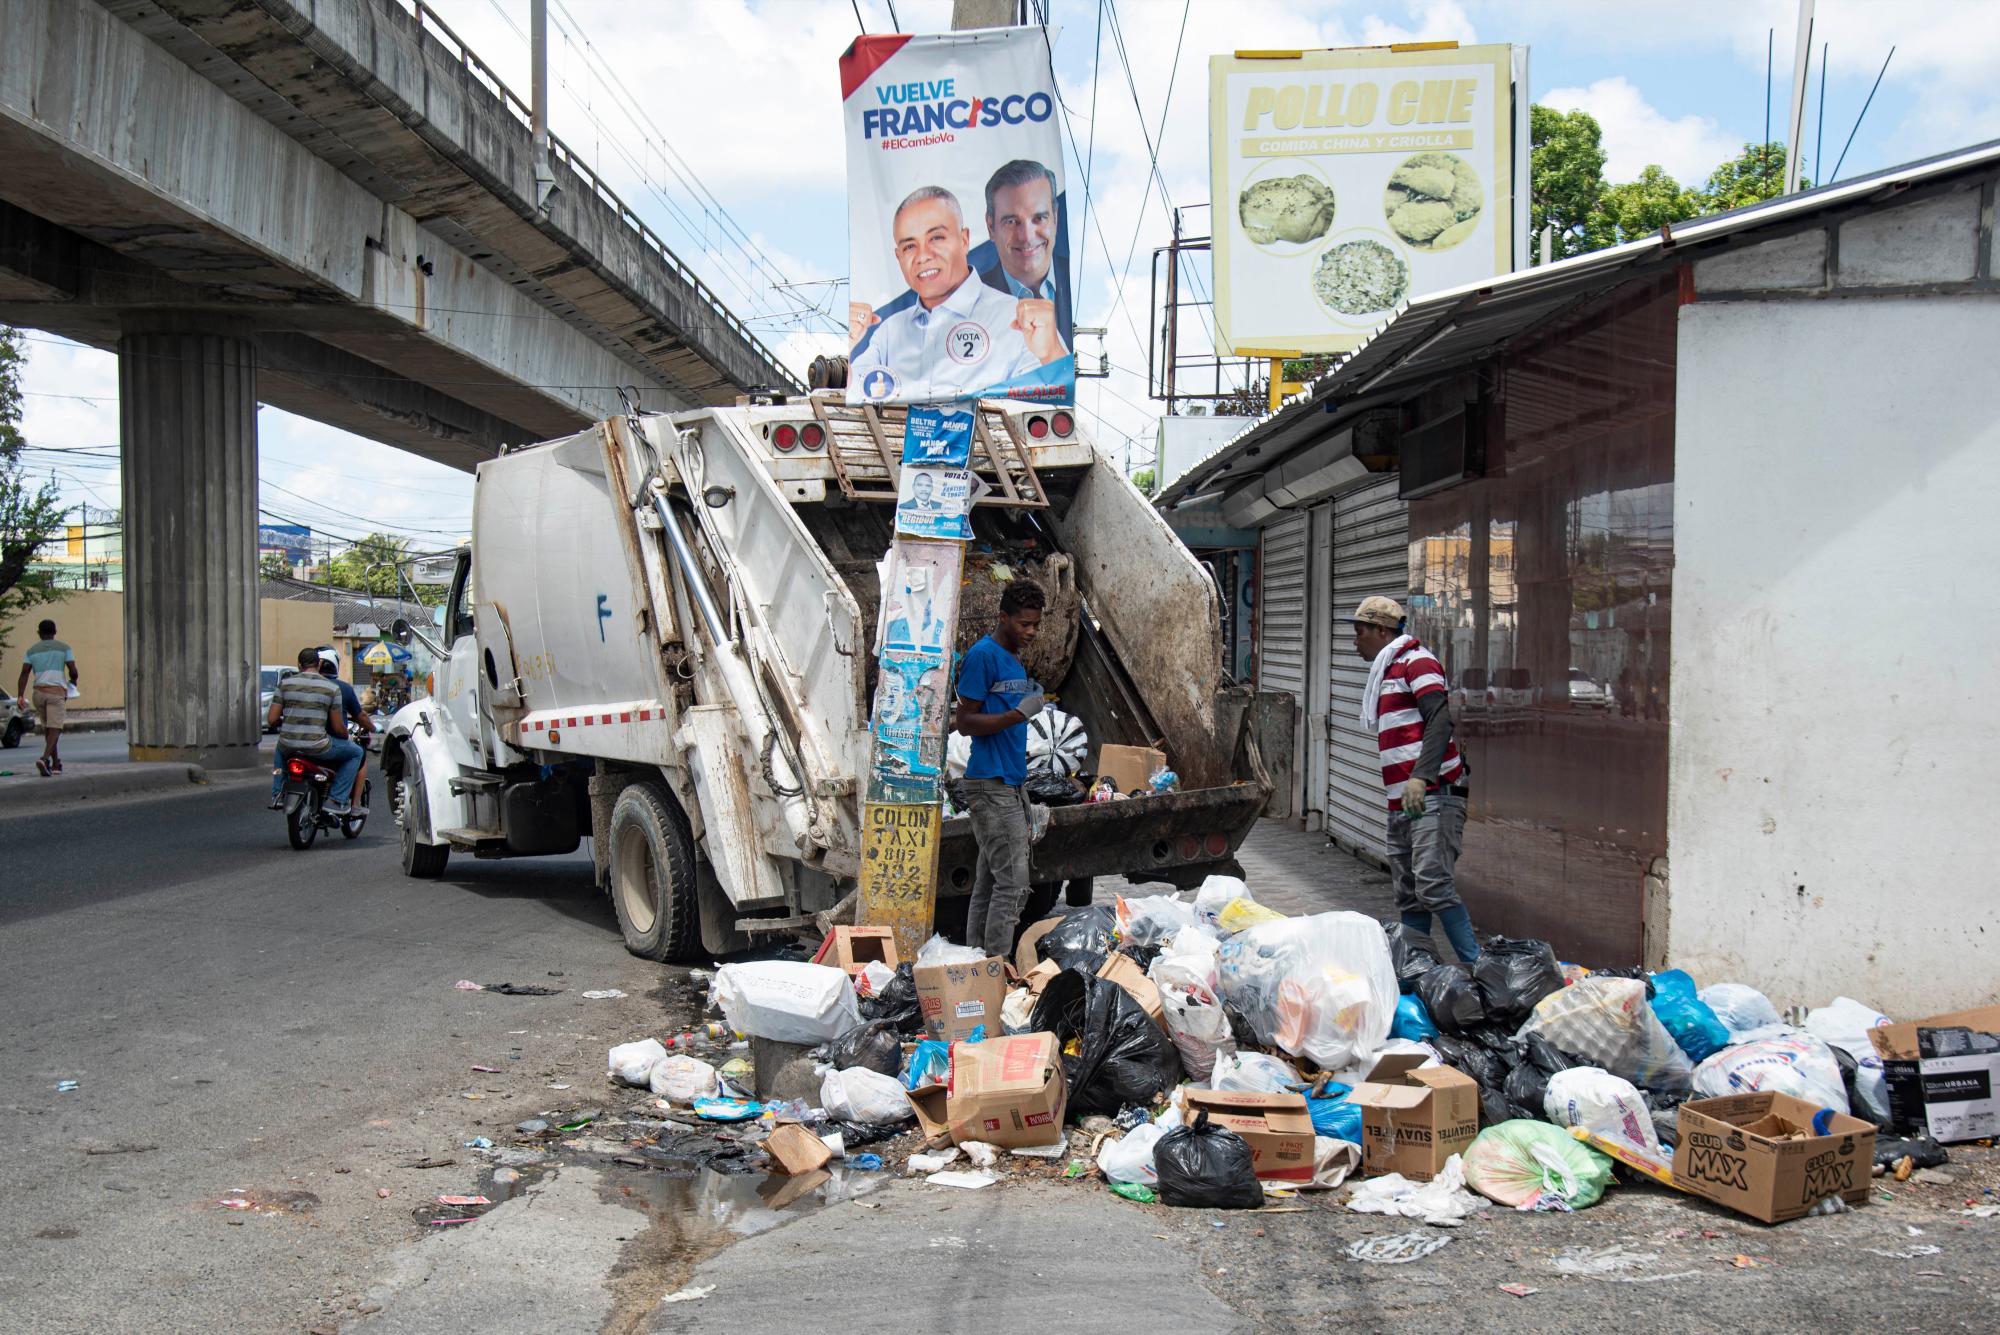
[1209, 1051]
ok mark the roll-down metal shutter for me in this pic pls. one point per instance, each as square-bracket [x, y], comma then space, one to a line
[1371, 555]
[1281, 604]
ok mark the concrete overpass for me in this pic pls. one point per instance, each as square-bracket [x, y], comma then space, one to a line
[327, 206]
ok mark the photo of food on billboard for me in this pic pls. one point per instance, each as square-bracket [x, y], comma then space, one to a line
[1349, 182]
[959, 277]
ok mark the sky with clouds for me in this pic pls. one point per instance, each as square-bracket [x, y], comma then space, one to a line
[720, 122]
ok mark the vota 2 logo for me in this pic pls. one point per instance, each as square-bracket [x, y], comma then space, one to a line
[932, 105]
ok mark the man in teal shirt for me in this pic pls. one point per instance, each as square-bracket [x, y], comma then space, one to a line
[995, 701]
[51, 670]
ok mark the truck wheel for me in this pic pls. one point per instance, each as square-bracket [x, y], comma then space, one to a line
[422, 860]
[652, 874]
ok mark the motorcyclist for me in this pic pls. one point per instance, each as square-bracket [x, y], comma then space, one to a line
[309, 708]
[352, 712]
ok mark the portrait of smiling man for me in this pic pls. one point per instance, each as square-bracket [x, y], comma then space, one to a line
[1021, 222]
[960, 335]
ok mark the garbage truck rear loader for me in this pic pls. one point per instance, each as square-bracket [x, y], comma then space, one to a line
[663, 636]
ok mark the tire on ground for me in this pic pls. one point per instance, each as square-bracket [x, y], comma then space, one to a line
[653, 874]
[425, 861]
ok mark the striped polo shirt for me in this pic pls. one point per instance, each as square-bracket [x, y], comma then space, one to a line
[1399, 724]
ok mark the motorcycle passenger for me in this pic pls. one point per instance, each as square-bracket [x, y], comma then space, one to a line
[307, 709]
[350, 705]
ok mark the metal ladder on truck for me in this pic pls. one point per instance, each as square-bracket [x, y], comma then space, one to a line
[865, 446]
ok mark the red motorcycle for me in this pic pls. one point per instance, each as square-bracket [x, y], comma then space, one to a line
[304, 795]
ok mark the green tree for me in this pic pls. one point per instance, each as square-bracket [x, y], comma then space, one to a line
[1143, 480]
[273, 565]
[1566, 178]
[1639, 208]
[1751, 177]
[29, 515]
[369, 566]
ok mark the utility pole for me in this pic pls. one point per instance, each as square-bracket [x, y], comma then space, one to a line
[1801, 66]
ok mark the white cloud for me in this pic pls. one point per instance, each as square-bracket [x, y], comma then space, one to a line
[1638, 135]
[1437, 21]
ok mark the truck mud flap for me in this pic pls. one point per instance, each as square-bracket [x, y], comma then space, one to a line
[1175, 837]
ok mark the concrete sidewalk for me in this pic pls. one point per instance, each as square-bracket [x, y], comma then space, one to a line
[23, 790]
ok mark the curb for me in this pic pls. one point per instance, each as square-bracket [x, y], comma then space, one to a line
[17, 798]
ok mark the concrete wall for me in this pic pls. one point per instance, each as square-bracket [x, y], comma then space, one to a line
[93, 624]
[1831, 772]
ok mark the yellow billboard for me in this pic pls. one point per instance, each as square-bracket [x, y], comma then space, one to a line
[1347, 182]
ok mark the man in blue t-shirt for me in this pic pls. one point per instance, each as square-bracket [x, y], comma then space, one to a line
[996, 699]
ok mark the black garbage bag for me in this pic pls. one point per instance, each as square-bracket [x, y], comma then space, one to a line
[875, 1044]
[1482, 1064]
[1206, 1167]
[1082, 939]
[1240, 1029]
[1052, 790]
[1122, 1057]
[1410, 954]
[1922, 1151]
[1493, 1108]
[1547, 1057]
[1864, 1101]
[868, 1133]
[1514, 975]
[1143, 956]
[1452, 998]
[897, 1002]
[1497, 1039]
[1524, 1088]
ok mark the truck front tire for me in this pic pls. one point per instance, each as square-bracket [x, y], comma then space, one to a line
[653, 874]
[421, 860]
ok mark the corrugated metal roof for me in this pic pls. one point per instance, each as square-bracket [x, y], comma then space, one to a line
[1445, 329]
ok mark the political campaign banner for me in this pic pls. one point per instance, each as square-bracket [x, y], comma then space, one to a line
[920, 584]
[958, 250]
[938, 436]
[935, 503]
[1348, 182]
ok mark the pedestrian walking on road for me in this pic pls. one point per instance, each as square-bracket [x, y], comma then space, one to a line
[51, 668]
[996, 699]
[307, 710]
[1408, 706]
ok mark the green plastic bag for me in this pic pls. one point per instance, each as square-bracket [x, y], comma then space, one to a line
[1535, 1166]
[1133, 1191]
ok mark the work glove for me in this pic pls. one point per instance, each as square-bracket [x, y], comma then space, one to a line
[1413, 797]
[1031, 705]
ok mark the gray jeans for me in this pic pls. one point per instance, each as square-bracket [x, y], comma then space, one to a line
[1423, 854]
[999, 814]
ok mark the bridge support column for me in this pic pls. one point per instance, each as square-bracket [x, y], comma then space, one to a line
[188, 423]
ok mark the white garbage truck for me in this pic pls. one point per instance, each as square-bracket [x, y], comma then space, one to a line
[662, 635]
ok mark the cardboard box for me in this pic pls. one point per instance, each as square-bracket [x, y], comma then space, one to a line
[1130, 768]
[793, 1150]
[1414, 1117]
[1040, 977]
[850, 949]
[1278, 1127]
[959, 998]
[1005, 1091]
[1125, 971]
[1735, 1151]
[1025, 958]
[1896, 1045]
[1960, 1102]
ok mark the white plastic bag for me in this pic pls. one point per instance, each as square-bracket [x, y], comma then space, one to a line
[1608, 1021]
[1017, 1012]
[631, 1063]
[873, 977]
[1057, 743]
[1604, 1105]
[1131, 1158]
[683, 1079]
[1254, 1073]
[1740, 1007]
[1184, 971]
[1844, 1023]
[1319, 986]
[1151, 920]
[938, 950]
[1799, 1065]
[787, 1002]
[861, 1095]
[957, 755]
[1215, 894]
[1443, 1200]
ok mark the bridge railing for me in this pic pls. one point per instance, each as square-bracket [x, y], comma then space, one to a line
[468, 60]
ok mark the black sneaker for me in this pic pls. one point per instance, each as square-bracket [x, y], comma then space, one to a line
[277, 804]
[42, 766]
[55, 766]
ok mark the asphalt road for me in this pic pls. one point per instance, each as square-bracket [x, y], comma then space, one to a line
[280, 1030]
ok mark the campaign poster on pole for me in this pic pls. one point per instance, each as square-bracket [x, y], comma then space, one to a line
[920, 586]
[958, 246]
[911, 702]
[1348, 182]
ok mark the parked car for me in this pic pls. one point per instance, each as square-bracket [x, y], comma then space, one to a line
[14, 721]
[1586, 693]
[269, 676]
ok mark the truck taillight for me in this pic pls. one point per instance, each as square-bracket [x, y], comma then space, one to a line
[1038, 427]
[1187, 848]
[1063, 423]
[812, 435]
[1216, 844]
[786, 437]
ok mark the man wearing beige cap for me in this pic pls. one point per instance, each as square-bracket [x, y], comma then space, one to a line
[1407, 706]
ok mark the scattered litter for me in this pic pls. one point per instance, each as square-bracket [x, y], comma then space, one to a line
[1055, 1151]
[980, 1153]
[1742, 1262]
[726, 1110]
[1396, 1248]
[558, 1086]
[517, 989]
[692, 1293]
[382, 1193]
[632, 1063]
[1983, 1211]
[930, 1163]
[1613, 1264]
[479, 1143]
[463, 1200]
[1135, 1191]
[603, 994]
[578, 1125]
[1442, 1201]
[1906, 1253]
[488, 1070]
[236, 1203]
[506, 1177]
[459, 1219]
[1934, 1177]
[433, 1162]
[867, 1163]
[1519, 1290]
[66, 1086]
[126, 1149]
[534, 1126]
[970, 1181]
[467, 985]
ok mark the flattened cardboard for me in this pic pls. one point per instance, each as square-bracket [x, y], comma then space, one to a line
[1125, 971]
[1730, 1153]
[1040, 976]
[793, 1150]
[1025, 958]
[1005, 1091]
[852, 949]
[959, 998]
[1414, 1117]
[1278, 1127]
[1961, 1095]
[1896, 1045]
[1130, 768]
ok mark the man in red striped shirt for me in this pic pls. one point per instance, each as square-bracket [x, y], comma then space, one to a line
[1408, 706]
